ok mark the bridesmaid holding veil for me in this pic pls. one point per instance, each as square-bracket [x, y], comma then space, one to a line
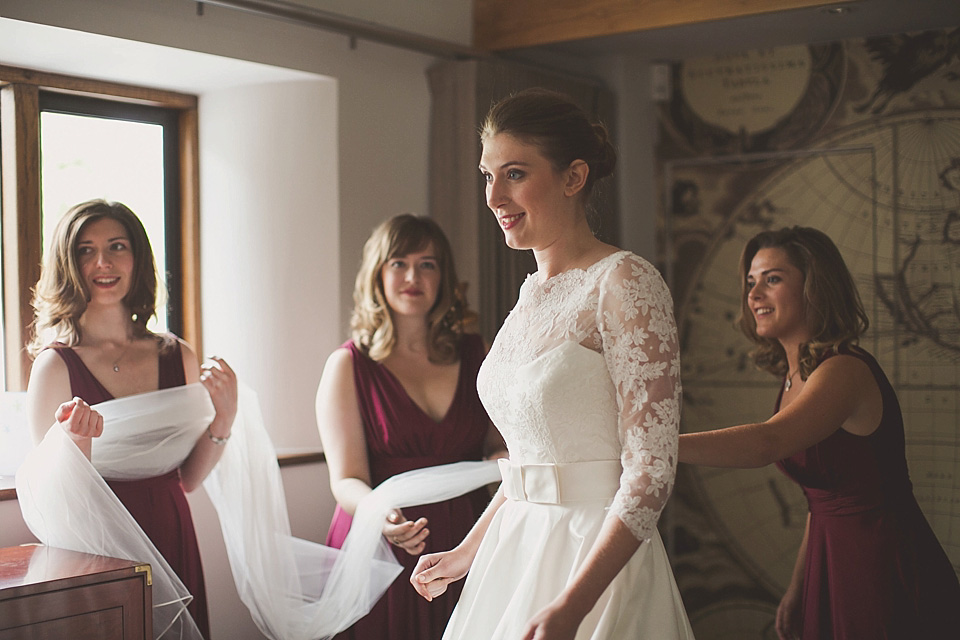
[96, 293]
[401, 395]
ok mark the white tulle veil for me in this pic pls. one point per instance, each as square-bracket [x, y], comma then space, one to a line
[295, 589]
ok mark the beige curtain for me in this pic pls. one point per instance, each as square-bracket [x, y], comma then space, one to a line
[462, 92]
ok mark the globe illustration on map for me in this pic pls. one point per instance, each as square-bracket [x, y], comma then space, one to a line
[887, 191]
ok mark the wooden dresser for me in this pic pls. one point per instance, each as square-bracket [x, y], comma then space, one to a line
[55, 594]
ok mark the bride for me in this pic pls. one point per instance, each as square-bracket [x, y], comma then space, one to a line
[583, 383]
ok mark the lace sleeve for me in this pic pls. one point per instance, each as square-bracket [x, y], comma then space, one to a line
[639, 341]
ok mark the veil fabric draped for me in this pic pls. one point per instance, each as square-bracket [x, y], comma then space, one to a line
[295, 589]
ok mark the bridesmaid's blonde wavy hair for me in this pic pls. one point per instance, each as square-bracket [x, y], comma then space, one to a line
[371, 323]
[61, 296]
[835, 314]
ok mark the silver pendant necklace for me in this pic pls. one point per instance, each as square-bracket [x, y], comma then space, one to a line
[789, 382]
[116, 363]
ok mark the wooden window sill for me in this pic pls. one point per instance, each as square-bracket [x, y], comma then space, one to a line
[285, 458]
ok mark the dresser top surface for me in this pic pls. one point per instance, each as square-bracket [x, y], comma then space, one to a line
[36, 564]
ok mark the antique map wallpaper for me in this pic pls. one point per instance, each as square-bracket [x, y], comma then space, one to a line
[860, 139]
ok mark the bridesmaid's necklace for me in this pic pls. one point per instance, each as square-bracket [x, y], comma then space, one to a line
[116, 363]
[786, 385]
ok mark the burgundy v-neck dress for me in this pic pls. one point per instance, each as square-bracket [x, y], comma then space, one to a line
[158, 504]
[874, 568]
[401, 437]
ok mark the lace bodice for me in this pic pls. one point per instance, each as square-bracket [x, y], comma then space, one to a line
[587, 367]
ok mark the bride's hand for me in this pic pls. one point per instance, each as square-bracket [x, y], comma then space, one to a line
[553, 622]
[434, 572]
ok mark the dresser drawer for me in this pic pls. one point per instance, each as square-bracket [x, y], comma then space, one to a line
[52, 593]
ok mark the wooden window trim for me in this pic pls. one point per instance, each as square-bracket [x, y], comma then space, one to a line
[20, 166]
[20, 177]
[97, 88]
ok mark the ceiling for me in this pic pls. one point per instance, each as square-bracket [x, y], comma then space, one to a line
[90, 55]
[59, 50]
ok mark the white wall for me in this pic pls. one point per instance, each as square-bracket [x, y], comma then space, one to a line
[269, 198]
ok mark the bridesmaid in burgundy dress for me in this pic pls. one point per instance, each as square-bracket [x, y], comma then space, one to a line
[95, 295]
[869, 566]
[401, 395]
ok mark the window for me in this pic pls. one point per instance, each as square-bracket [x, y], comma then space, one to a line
[34, 107]
[95, 148]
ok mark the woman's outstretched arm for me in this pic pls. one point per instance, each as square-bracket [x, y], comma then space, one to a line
[840, 393]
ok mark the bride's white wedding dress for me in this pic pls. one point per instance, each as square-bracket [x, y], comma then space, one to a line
[583, 381]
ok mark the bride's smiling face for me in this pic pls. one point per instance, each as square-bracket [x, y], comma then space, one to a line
[524, 191]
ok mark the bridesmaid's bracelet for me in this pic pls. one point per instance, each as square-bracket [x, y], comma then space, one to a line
[217, 440]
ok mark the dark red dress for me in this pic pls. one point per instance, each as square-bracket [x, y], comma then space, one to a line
[874, 568]
[401, 437]
[158, 504]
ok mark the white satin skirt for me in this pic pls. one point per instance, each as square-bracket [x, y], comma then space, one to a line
[533, 549]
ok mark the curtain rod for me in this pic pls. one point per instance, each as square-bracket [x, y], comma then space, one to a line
[350, 27]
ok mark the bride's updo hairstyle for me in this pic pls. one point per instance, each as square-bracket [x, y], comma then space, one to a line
[371, 325]
[559, 128]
